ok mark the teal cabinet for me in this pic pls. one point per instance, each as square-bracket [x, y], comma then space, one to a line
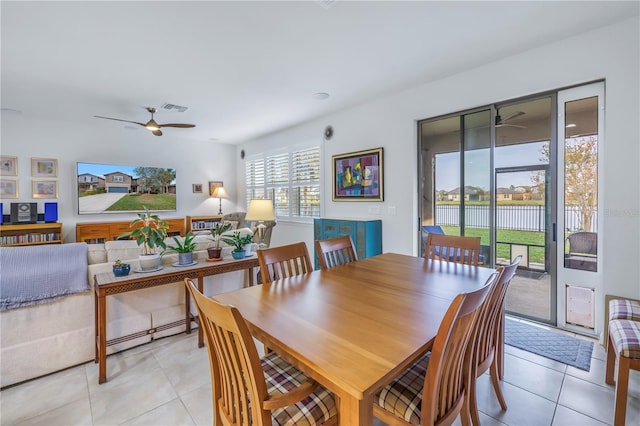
[366, 234]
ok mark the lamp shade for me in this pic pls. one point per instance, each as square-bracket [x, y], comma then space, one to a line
[260, 210]
[219, 192]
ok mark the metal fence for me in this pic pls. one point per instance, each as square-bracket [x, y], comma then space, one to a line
[522, 218]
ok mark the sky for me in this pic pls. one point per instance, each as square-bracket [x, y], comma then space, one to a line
[477, 164]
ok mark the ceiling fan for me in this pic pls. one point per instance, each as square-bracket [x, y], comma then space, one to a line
[502, 122]
[151, 124]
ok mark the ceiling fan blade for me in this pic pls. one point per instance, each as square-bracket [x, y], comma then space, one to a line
[512, 116]
[157, 132]
[117, 119]
[181, 125]
[511, 125]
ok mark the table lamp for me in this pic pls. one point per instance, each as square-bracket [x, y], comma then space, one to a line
[219, 193]
[260, 210]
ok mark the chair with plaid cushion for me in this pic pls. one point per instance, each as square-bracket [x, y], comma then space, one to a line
[284, 261]
[623, 344]
[335, 251]
[433, 391]
[247, 390]
[489, 343]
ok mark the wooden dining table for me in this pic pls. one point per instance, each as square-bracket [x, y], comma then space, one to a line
[356, 327]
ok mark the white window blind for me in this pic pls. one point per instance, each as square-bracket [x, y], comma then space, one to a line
[291, 179]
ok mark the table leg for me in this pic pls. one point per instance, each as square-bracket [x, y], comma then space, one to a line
[354, 412]
[187, 308]
[201, 289]
[102, 336]
[250, 277]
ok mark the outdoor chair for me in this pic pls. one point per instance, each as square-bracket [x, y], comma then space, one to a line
[488, 350]
[284, 261]
[434, 389]
[247, 390]
[583, 251]
[335, 251]
[453, 248]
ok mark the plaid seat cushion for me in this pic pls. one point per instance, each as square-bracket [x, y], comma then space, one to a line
[403, 397]
[624, 309]
[281, 377]
[625, 335]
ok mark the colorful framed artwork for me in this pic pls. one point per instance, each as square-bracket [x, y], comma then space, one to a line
[358, 176]
[196, 188]
[8, 165]
[8, 188]
[44, 167]
[44, 189]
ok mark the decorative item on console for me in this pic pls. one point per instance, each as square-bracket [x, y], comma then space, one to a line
[239, 242]
[121, 269]
[216, 232]
[184, 248]
[149, 231]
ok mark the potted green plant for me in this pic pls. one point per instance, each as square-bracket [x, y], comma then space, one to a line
[184, 248]
[121, 269]
[238, 241]
[216, 232]
[149, 231]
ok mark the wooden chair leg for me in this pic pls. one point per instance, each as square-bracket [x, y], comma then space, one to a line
[494, 373]
[622, 387]
[473, 403]
[611, 363]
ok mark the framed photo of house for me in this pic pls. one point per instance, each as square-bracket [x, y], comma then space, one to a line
[8, 165]
[44, 167]
[8, 188]
[358, 176]
[196, 188]
[44, 189]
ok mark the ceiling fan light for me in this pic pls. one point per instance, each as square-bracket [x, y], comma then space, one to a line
[152, 127]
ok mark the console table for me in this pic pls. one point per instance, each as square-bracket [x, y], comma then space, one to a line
[106, 284]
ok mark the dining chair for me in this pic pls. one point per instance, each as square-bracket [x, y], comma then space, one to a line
[336, 251]
[248, 390]
[434, 389]
[453, 248]
[488, 347]
[284, 261]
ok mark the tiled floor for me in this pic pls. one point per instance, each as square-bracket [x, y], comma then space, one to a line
[167, 382]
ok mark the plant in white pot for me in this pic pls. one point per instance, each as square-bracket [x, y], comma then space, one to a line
[149, 231]
[184, 247]
[216, 234]
[238, 241]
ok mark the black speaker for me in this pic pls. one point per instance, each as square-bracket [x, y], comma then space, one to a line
[1, 215]
[24, 212]
[50, 212]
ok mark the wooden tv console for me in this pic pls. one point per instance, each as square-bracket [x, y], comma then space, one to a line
[100, 232]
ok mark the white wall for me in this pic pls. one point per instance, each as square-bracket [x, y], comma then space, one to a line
[611, 53]
[194, 162]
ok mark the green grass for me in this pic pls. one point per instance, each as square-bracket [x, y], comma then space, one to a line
[151, 201]
[536, 254]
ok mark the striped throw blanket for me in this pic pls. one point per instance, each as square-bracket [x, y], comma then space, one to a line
[40, 274]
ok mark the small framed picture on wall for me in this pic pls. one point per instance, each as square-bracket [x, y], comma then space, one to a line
[44, 167]
[8, 165]
[8, 188]
[44, 188]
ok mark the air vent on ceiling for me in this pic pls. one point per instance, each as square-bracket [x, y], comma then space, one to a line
[173, 107]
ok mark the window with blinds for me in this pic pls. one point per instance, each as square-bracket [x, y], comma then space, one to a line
[290, 179]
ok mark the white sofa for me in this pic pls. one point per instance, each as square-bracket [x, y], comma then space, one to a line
[41, 339]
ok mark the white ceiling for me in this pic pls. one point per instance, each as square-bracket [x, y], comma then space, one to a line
[246, 69]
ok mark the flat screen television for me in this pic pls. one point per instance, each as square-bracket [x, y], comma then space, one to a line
[116, 188]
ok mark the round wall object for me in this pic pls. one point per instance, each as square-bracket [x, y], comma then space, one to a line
[328, 132]
[242, 154]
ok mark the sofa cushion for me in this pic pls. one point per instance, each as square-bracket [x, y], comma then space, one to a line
[624, 309]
